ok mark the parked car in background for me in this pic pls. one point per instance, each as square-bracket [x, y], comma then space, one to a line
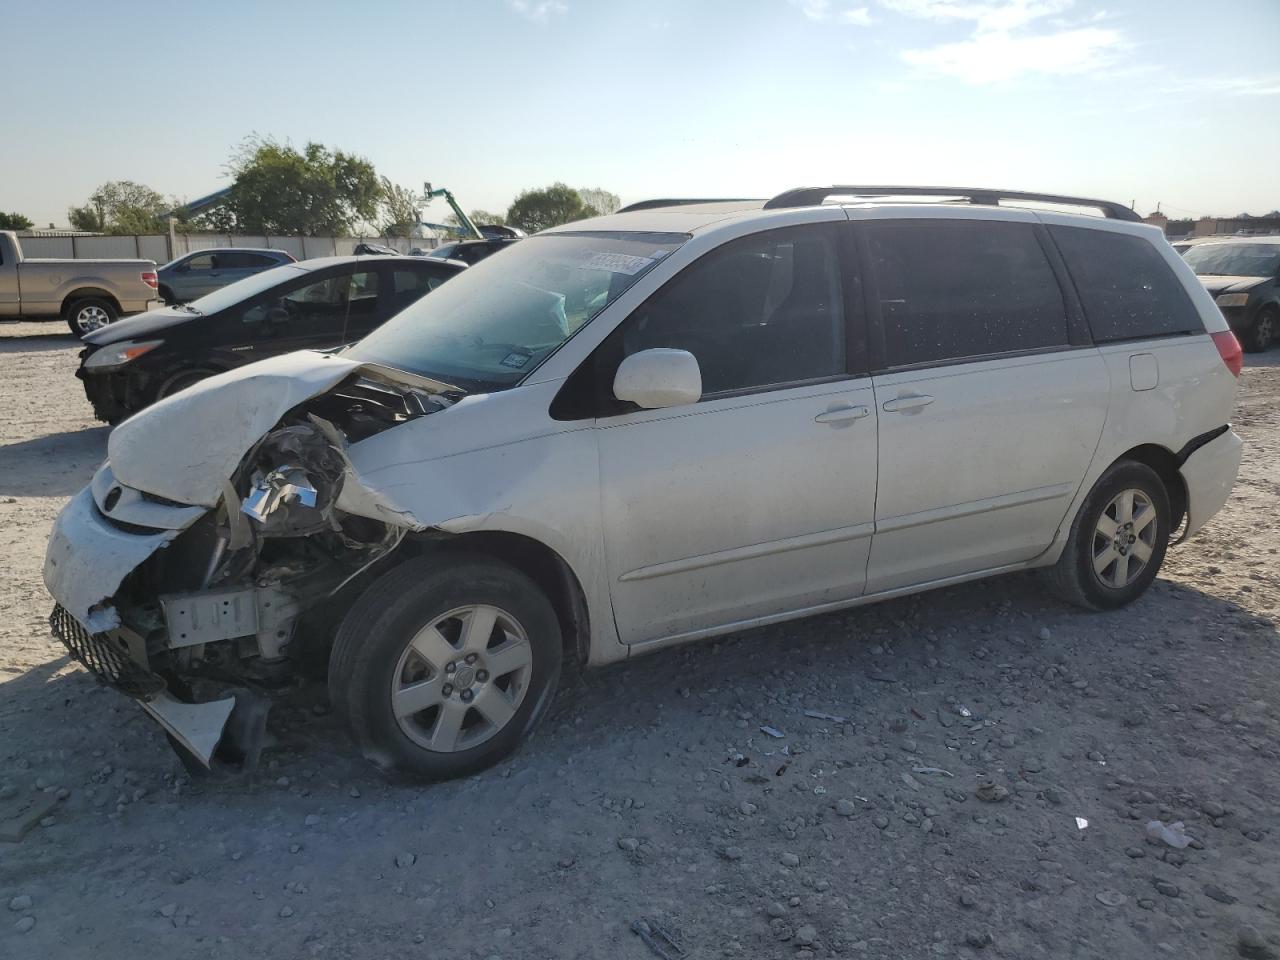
[88, 294]
[471, 251]
[646, 429]
[196, 274]
[367, 249]
[315, 304]
[1243, 274]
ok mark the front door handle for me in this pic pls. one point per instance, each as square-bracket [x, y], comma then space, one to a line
[907, 404]
[842, 415]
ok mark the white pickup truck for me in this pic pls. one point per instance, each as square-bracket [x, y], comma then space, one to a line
[88, 294]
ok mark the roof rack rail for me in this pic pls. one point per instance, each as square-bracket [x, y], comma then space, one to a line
[812, 196]
[668, 202]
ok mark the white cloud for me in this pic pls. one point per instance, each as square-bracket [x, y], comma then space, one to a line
[539, 11]
[999, 55]
[986, 15]
[1008, 38]
[821, 10]
[1231, 86]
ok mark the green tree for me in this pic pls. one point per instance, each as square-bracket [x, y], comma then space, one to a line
[123, 207]
[602, 201]
[315, 191]
[401, 209]
[478, 217]
[14, 221]
[551, 206]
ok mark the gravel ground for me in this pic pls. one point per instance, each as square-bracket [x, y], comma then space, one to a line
[653, 791]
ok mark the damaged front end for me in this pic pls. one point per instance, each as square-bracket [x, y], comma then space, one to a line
[201, 610]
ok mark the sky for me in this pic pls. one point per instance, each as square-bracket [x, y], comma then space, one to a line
[1175, 102]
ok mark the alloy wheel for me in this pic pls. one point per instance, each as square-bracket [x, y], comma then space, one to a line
[1124, 538]
[461, 678]
[91, 317]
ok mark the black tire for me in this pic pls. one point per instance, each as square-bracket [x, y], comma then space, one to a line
[85, 315]
[1266, 326]
[1073, 577]
[180, 381]
[377, 632]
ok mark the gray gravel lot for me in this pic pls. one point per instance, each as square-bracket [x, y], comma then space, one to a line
[653, 792]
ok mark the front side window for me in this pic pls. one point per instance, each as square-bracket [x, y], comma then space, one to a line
[1127, 290]
[492, 324]
[953, 289]
[758, 311]
[321, 301]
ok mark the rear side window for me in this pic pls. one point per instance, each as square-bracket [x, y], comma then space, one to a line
[760, 311]
[1128, 291]
[952, 289]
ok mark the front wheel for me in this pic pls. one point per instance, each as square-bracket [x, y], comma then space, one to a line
[445, 664]
[90, 314]
[1117, 541]
[1263, 332]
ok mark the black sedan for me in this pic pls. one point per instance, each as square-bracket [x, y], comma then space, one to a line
[1243, 274]
[312, 305]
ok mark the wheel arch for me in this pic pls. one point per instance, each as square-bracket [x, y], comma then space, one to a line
[1165, 463]
[87, 293]
[541, 564]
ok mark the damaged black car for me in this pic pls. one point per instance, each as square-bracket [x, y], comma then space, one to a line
[314, 305]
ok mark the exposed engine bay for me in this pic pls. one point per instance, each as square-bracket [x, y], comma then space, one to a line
[242, 597]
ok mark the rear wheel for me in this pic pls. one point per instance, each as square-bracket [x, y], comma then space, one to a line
[445, 664]
[1117, 541]
[90, 314]
[1263, 332]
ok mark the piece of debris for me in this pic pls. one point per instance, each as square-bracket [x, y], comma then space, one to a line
[1217, 893]
[773, 732]
[1110, 898]
[20, 902]
[945, 773]
[991, 792]
[910, 781]
[1081, 823]
[819, 715]
[846, 808]
[1174, 834]
[663, 943]
[20, 813]
[881, 677]
[628, 844]
[405, 860]
[25, 924]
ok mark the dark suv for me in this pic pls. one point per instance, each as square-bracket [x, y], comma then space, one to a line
[310, 305]
[1243, 274]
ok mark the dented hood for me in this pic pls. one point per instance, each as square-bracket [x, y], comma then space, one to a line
[187, 445]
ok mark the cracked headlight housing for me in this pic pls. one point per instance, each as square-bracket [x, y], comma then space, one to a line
[118, 354]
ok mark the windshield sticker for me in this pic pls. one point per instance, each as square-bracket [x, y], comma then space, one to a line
[616, 263]
[516, 360]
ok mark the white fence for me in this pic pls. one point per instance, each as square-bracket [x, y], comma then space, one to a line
[159, 248]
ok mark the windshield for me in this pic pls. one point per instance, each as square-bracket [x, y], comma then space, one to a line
[234, 293]
[1234, 259]
[487, 328]
[444, 251]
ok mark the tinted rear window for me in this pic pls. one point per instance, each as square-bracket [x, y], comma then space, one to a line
[951, 289]
[1127, 289]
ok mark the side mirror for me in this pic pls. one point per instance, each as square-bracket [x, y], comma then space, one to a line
[658, 378]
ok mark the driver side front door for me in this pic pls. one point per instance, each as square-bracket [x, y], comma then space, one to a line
[758, 501]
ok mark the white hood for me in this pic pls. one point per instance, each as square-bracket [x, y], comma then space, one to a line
[187, 445]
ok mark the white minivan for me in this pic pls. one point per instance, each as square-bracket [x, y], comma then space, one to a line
[677, 421]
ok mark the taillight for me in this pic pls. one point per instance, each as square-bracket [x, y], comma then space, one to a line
[1229, 349]
[150, 278]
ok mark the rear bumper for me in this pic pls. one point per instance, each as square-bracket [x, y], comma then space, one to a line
[1209, 474]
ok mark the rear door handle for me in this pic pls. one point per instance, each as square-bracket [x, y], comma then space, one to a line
[908, 404]
[842, 415]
